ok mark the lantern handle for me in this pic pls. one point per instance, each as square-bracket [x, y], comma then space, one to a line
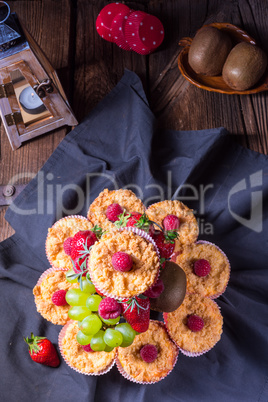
[3, 4]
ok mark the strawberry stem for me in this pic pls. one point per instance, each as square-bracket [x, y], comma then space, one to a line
[32, 343]
[122, 220]
[98, 231]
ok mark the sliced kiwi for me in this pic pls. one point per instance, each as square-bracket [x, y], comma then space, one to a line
[174, 280]
[209, 50]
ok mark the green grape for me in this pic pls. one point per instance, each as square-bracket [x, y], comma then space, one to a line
[108, 349]
[88, 287]
[75, 297]
[82, 338]
[110, 321]
[79, 324]
[93, 302]
[69, 275]
[112, 337]
[97, 342]
[91, 325]
[127, 332]
[78, 313]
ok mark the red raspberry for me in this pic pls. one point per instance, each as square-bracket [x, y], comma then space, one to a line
[122, 261]
[202, 267]
[156, 290]
[171, 222]
[195, 323]
[87, 348]
[109, 308]
[113, 211]
[67, 245]
[148, 353]
[58, 298]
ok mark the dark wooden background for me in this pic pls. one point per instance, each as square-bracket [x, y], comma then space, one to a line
[89, 67]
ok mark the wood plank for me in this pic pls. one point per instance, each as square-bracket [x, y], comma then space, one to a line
[181, 106]
[100, 64]
[42, 18]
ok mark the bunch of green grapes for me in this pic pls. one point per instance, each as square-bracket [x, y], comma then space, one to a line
[102, 334]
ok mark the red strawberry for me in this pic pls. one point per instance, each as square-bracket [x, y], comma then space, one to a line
[122, 261]
[81, 243]
[99, 292]
[195, 323]
[42, 351]
[132, 221]
[141, 221]
[136, 312]
[79, 265]
[58, 297]
[113, 211]
[166, 248]
[171, 222]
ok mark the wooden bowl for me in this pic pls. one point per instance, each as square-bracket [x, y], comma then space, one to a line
[216, 84]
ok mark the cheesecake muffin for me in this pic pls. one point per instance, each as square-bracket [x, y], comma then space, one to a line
[206, 267]
[196, 326]
[88, 363]
[187, 226]
[51, 281]
[58, 233]
[150, 358]
[109, 204]
[123, 281]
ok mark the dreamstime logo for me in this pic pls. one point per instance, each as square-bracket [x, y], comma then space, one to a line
[255, 222]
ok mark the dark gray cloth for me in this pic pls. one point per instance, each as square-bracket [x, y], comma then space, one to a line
[119, 145]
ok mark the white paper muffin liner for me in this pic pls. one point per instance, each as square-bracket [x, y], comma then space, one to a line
[216, 295]
[64, 218]
[147, 237]
[97, 373]
[130, 378]
[46, 272]
[40, 280]
[184, 351]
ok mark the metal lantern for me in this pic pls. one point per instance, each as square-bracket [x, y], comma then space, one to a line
[32, 100]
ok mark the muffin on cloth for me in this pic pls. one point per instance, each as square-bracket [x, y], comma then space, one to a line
[58, 233]
[196, 326]
[118, 284]
[52, 280]
[152, 367]
[88, 363]
[212, 276]
[188, 227]
[126, 199]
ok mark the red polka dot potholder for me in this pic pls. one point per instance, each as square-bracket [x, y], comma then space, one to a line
[118, 29]
[105, 18]
[144, 32]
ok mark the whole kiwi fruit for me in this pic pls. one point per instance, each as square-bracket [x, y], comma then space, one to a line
[244, 66]
[209, 50]
[174, 280]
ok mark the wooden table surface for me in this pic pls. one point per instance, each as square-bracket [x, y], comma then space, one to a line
[89, 67]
